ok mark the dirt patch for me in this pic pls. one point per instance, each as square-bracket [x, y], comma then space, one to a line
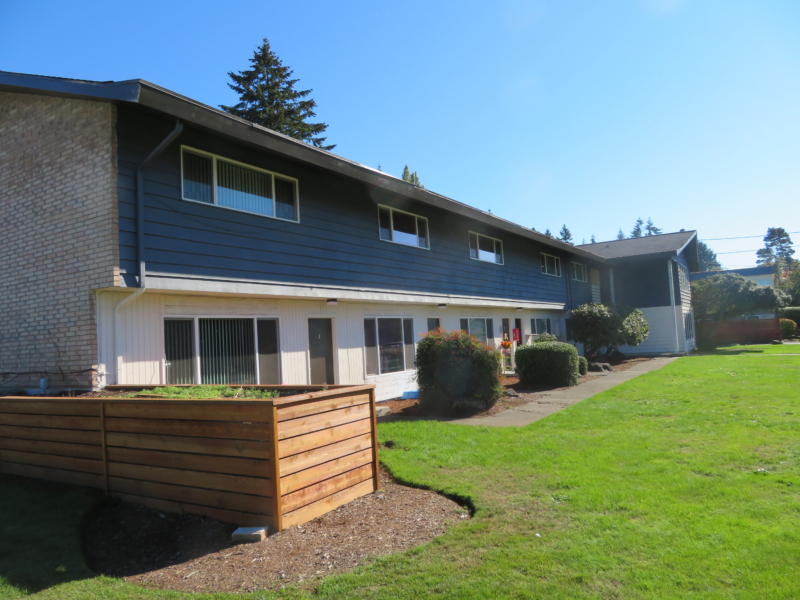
[194, 553]
[525, 395]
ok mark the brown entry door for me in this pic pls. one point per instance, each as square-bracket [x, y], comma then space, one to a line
[320, 350]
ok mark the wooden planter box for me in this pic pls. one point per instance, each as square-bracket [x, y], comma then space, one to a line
[275, 463]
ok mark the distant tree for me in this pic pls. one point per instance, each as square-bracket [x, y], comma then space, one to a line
[724, 296]
[620, 235]
[651, 229]
[583, 241]
[547, 233]
[788, 281]
[707, 257]
[565, 235]
[638, 228]
[412, 178]
[777, 244]
[267, 97]
[592, 240]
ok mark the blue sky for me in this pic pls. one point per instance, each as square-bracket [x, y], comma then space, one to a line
[589, 113]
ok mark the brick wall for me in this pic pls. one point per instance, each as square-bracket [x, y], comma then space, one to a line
[58, 235]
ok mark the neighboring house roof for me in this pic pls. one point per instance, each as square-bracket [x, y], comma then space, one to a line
[749, 272]
[144, 93]
[670, 244]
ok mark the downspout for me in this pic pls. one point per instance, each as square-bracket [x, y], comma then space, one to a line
[672, 303]
[140, 237]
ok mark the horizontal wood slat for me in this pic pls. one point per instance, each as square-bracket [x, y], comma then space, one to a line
[51, 421]
[212, 429]
[70, 436]
[326, 488]
[321, 421]
[191, 495]
[320, 507]
[69, 463]
[191, 412]
[255, 486]
[295, 411]
[301, 479]
[57, 448]
[304, 443]
[192, 462]
[194, 445]
[305, 460]
[70, 477]
[33, 407]
[228, 516]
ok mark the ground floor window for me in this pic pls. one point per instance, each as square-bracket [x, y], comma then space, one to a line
[433, 324]
[540, 326]
[388, 344]
[688, 323]
[481, 328]
[221, 351]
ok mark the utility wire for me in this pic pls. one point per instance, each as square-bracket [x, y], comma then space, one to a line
[744, 237]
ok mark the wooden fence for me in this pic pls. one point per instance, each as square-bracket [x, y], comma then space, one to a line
[275, 463]
[743, 331]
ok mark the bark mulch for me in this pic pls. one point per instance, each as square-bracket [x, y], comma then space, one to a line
[412, 408]
[195, 553]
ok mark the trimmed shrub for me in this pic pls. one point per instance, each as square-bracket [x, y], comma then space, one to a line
[551, 364]
[454, 366]
[544, 338]
[583, 365]
[788, 329]
[790, 312]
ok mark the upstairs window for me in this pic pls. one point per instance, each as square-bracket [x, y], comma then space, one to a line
[485, 248]
[215, 180]
[403, 228]
[578, 272]
[551, 265]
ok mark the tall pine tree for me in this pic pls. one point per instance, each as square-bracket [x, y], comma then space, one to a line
[651, 229]
[620, 235]
[707, 257]
[412, 177]
[777, 244]
[565, 235]
[638, 228]
[267, 97]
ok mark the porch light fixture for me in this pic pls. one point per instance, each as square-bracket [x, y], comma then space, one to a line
[519, 308]
[443, 306]
[332, 302]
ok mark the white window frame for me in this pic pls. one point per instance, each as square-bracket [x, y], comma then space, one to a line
[557, 263]
[196, 333]
[393, 210]
[488, 237]
[548, 325]
[485, 328]
[575, 274]
[214, 158]
[406, 369]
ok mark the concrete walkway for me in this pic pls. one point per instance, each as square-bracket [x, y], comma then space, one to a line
[555, 401]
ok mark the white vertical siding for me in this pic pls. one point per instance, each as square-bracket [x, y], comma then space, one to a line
[140, 333]
[662, 338]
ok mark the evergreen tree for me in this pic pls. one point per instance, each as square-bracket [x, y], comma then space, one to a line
[583, 241]
[707, 257]
[777, 244]
[267, 97]
[565, 235]
[638, 229]
[620, 235]
[412, 178]
[651, 229]
[547, 233]
[592, 240]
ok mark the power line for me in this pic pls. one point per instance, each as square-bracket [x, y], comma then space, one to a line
[739, 251]
[744, 237]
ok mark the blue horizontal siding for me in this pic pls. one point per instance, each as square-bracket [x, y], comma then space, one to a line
[336, 242]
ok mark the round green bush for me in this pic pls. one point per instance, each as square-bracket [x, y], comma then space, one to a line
[548, 364]
[544, 337]
[583, 365]
[454, 366]
[788, 329]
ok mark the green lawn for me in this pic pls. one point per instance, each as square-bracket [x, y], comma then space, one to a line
[761, 349]
[684, 483]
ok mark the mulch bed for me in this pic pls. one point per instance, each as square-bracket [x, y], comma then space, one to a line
[195, 553]
[412, 408]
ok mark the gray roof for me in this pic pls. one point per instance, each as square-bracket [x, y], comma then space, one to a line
[665, 243]
[144, 93]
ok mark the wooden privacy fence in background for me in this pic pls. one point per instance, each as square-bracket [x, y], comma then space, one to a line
[275, 463]
[744, 331]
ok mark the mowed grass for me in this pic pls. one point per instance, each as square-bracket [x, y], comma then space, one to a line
[683, 483]
[784, 348]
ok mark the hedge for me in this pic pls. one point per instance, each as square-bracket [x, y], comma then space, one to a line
[583, 365]
[788, 329]
[790, 312]
[547, 364]
[454, 366]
